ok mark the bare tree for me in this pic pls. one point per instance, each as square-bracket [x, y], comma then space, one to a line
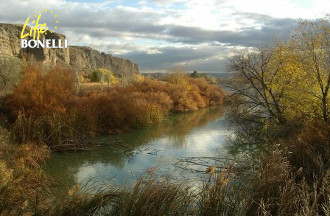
[253, 83]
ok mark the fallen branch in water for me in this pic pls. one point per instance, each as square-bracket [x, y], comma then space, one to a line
[200, 164]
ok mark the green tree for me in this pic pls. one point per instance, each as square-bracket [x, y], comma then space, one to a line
[194, 74]
[102, 75]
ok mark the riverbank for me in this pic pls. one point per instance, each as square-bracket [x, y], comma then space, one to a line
[118, 159]
[48, 108]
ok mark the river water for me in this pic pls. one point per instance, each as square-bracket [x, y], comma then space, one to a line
[181, 147]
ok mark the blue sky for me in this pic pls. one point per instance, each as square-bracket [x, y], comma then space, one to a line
[162, 34]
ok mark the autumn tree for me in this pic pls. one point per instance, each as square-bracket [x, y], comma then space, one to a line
[253, 83]
[312, 45]
[286, 81]
[103, 75]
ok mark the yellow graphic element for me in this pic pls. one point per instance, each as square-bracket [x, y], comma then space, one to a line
[37, 29]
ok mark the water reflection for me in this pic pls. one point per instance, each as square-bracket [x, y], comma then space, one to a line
[124, 157]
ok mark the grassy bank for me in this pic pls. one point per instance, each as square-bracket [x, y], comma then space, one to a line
[269, 186]
[48, 107]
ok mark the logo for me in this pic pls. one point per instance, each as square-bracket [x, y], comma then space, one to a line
[39, 29]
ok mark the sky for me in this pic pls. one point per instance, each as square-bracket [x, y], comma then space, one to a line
[162, 34]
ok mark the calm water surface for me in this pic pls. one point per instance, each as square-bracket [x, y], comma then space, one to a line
[174, 147]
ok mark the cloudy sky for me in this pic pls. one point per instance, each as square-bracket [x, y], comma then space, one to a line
[161, 34]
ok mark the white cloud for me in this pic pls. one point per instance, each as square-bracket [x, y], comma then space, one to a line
[163, 30]
[282, 8]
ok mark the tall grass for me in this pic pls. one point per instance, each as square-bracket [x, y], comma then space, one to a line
[22, 181]
[278, 190]
[152, 196]
[219, 197]
[58, 131]
[269, 186]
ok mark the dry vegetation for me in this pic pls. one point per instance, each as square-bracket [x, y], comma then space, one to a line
[280, 103]
[21, 180]
[46, 111]
[47, 107]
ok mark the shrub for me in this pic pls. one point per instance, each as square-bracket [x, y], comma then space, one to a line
[47, 108]
[40, 94]
[146, 101]
[95, 77]
[10, 73]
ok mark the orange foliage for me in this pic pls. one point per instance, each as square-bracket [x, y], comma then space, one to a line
[121, 110]
[40, 94]
[141, 103]
[187, 94]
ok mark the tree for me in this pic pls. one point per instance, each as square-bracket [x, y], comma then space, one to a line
[286, 81]
[312, 44]
[253, 83]
[194, 74]
[103, 75]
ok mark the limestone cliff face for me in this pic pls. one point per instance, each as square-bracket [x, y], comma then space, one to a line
[83, 59]
[88, 59]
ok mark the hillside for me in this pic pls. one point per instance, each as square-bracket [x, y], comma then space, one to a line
[83, 59]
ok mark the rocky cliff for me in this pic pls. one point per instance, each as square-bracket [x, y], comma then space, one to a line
[83, 59]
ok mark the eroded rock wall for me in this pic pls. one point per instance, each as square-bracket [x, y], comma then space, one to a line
[83, 59]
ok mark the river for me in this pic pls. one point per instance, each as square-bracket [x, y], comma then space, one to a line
[181, 147]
